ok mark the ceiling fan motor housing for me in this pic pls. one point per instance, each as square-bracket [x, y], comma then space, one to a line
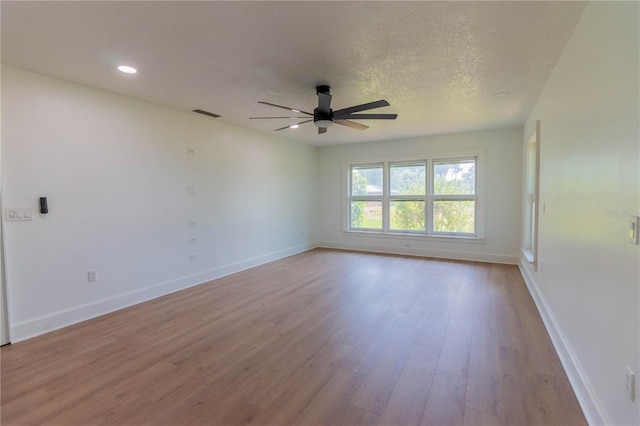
[323, 118]
[323, 89]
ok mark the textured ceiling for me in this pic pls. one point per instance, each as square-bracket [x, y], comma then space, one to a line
[437, 63]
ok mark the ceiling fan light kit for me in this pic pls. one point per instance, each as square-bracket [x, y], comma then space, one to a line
[323, 116]
[323, 123]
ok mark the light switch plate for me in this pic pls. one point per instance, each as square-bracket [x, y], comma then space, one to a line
[630, 384]
[634, 230]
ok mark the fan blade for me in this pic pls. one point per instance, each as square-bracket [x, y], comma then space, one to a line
[369, 116]
[371, 105]
[351, 124]
[284, 107]
[289, 126]
[262, 118]
[322, 130]
[324, 102]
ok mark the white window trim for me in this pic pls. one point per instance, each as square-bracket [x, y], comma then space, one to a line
[451, 197]
[351, 198]
[480, 196]
[532, 212]
[390, 198]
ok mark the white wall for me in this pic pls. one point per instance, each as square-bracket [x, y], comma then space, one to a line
[115, 171]
[588, 288]
[501, 151]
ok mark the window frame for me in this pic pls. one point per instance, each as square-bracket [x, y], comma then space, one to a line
[454, 197]
[428, 233]
[390, 198]
[366, 198]
[532, 197]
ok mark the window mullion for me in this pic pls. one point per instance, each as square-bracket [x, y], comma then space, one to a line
[454, 197]
[407, 197]
[386, 184]
[428, 220]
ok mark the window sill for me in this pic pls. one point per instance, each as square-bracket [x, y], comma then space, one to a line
[528, 254]
[416, 236]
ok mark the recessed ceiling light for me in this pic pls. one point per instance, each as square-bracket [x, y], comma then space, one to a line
[127, 69]
[294, 126]
[501, 94]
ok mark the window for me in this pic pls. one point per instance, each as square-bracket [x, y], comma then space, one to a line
[454, 196]
[433, 197]
[531, 202]
[407, 196]
[366, 197]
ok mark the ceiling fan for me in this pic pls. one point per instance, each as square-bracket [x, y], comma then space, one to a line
[323, 116]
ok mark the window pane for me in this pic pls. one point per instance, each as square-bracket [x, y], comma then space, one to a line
[407, 215]
[454, 216]
[366, 214]
[408, 180]
[366, 180]
[457, 178]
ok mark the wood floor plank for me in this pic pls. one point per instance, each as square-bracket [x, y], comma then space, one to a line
[302, 390]
[484, 309]
[543, 355]
[435, 327]
[564, 404]
[478, 418]
[484, 386]
[196, 405]
[14, 388]
[19, 406]
[409, 398]
[323, 337]
[380, 382]
[237, 412]
[358, 321]
[549, 401]
[287, 363]
[446, 402]
[509, 328]
[514, 366]
[372, 343]
[464, 302]
[332, 399]
[355, 416]
[454, 357]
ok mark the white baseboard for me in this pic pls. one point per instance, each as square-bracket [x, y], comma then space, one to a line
[44, 324]
[591, 407]
[413, 251]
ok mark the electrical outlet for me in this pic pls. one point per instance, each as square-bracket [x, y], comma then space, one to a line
[193, 240]
[191, 190]
[18, 214]
[193, 257]
[92, 275]
[193, 224]
[630, 384]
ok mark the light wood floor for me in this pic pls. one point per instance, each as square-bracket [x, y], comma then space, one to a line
[325, 337]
